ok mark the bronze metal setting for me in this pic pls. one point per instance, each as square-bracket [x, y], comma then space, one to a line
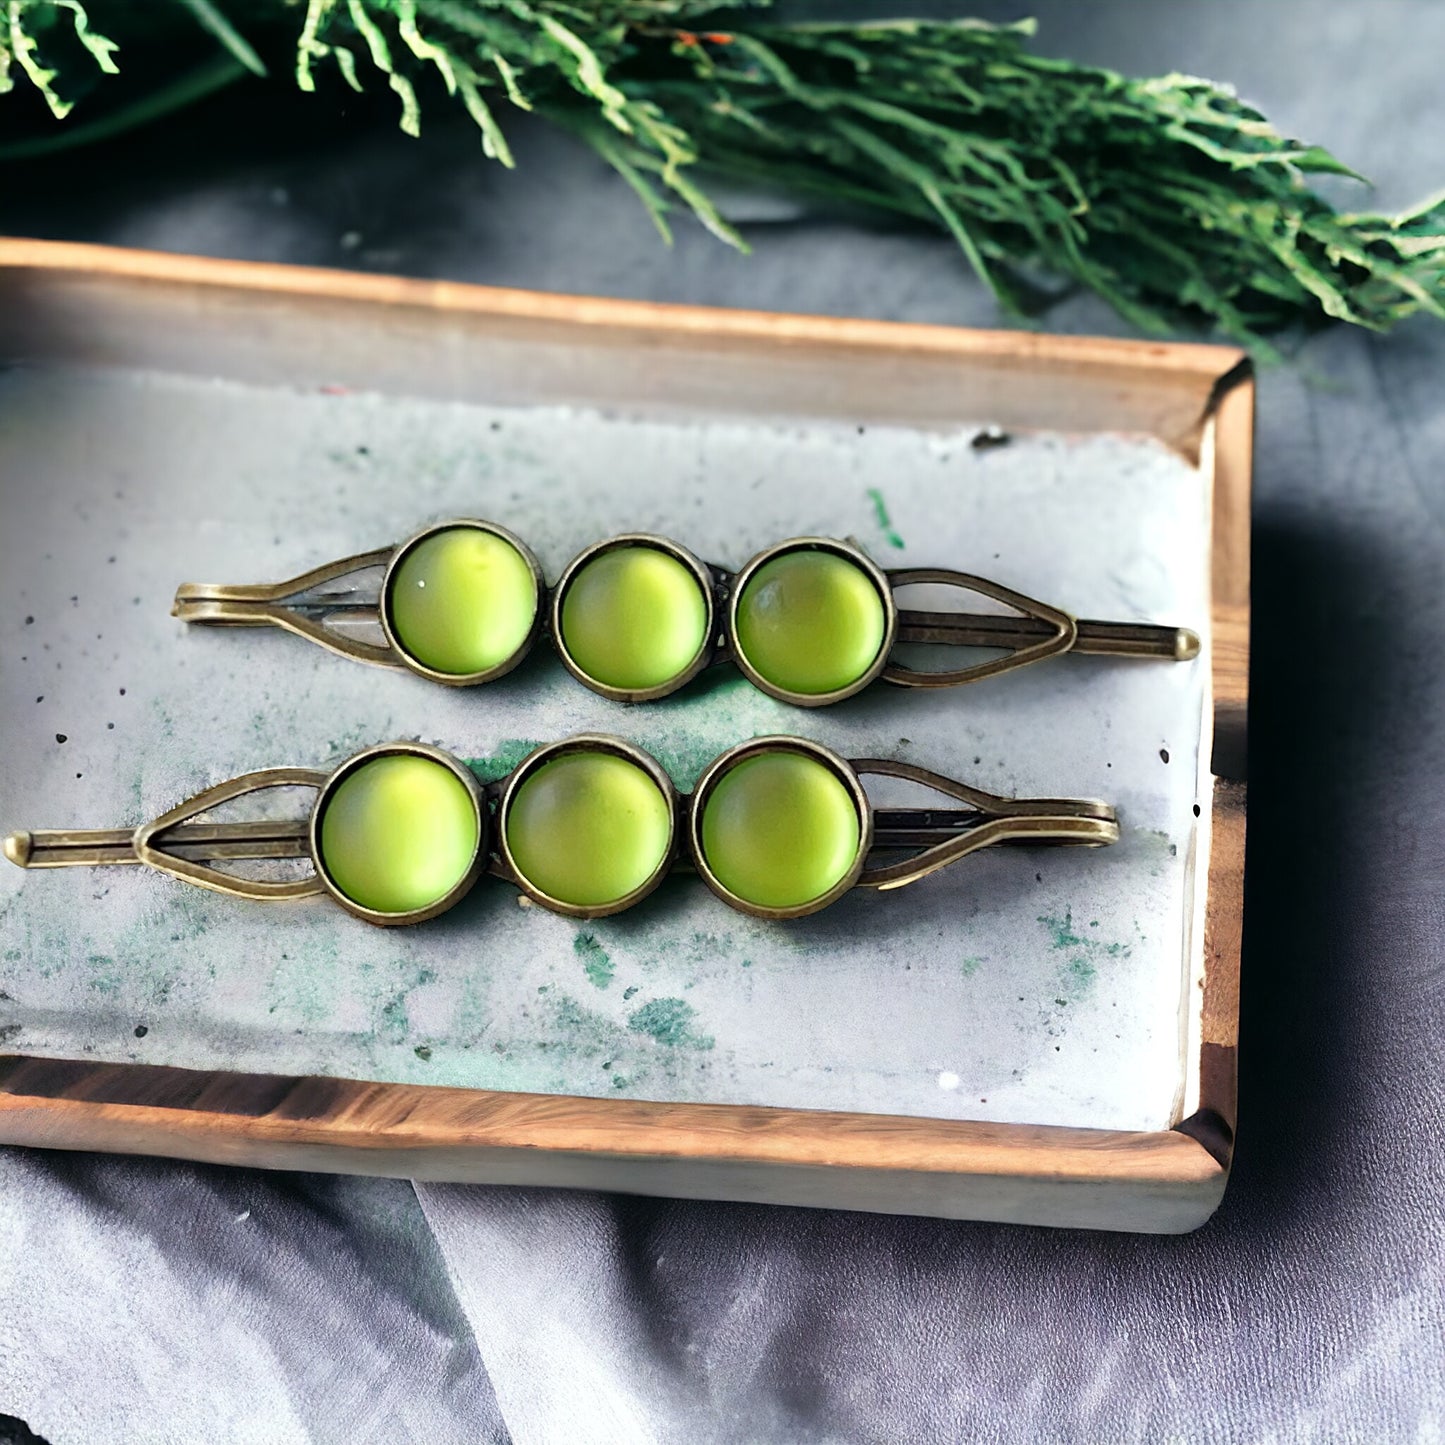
[460, 889]
[171, 844]
[1056, 631]
[897, 846]
[719, 769]
[707, 581]
[503, 865]
[310, 606]
[932, 838]
[471, 679]
[858, 558]
[305, 605]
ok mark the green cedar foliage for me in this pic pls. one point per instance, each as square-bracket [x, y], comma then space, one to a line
[1169, 197]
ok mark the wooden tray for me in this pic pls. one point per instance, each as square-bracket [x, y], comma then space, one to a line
[304, 329]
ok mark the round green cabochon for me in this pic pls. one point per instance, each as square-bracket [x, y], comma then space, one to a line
[780, 829]
[399, 833]
[462, 601]
[588, 828]
[634, 617]
[810, 622]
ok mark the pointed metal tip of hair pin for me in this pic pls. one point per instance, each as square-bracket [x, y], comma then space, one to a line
[18, 847]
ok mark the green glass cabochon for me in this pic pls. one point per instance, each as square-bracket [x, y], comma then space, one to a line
[462, 601]
[398, 833]
[779, 829]
[634, 617]
[588, 828]
[810, 621]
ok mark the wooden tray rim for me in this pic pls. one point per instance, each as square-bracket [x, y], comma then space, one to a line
[284, 1122]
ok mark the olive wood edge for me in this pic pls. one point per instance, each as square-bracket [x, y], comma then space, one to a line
[422, 1131]
[936, 1166]
[1226, 457]
[1200, 359]
[1159, 387]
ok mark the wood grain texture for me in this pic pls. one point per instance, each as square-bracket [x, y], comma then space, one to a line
[1223, 939]
[1227, 450]
[309, 327]
[1153, 1181]
[1231, 453]
[1201, 363]
[299, 326]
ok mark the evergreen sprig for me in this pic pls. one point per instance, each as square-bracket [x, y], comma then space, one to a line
[1169, 197]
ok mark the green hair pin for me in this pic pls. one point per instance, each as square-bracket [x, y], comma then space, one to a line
[777, 827]
[810, 621]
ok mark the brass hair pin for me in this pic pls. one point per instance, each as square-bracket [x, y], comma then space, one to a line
[777, 827]
[810, 621]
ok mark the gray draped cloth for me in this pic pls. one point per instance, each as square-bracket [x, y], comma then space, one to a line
[150, 1301]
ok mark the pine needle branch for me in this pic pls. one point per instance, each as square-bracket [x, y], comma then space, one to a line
[1168, 196]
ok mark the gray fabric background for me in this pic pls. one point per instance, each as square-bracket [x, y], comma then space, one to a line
[136, 1306]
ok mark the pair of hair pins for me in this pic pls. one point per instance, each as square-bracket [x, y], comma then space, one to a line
[777, 827]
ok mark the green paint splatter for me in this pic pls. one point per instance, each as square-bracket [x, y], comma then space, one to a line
[700, 947]
[394, 1015]
[880, 514]
[595, 961]
[165, 724]
[970, 966]
[351, 741]
[1085, 954]
[105, 976]
[585, 1031]
[509, 752]
[1062, 930]
[472, 1014]
[628, 993]
[683, 752]
[669, 1021]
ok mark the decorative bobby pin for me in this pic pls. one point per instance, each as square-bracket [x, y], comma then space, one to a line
[810, 621]
[777, 827]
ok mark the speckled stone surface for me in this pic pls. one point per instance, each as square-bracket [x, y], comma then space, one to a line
[1045, 986]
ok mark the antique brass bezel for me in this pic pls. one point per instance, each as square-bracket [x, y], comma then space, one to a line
[504, 864]
[707, 584]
